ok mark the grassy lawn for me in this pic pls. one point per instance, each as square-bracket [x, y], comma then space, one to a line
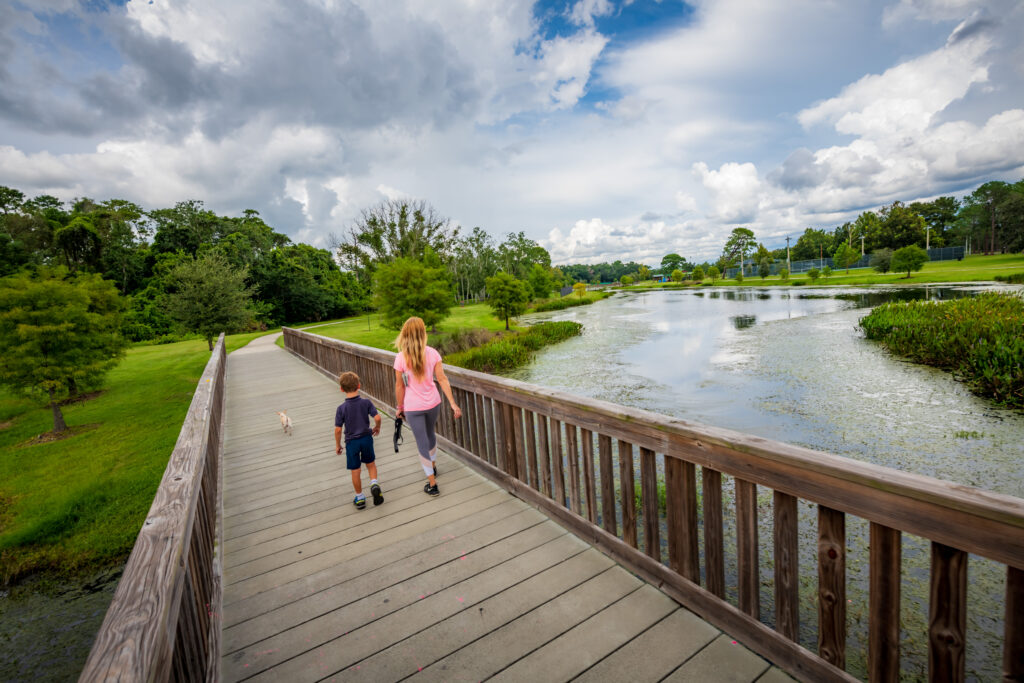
[366, 329]
[971, 269]
[79, 502]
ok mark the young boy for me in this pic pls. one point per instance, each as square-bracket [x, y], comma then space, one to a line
[354, 416]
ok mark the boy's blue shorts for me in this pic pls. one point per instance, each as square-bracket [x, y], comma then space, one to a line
[359, 451]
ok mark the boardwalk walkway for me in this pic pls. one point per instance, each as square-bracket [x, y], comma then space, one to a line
[467, 586]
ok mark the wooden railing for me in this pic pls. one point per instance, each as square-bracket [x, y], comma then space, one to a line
[574, 458]
[163, 623]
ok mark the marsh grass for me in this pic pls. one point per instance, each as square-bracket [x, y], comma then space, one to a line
[978, 338]
[513, 350]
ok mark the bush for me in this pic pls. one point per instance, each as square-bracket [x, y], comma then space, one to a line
[881, 260]
[978, 338]
[909, 258]
[1012, 278]
[784, 274]
[512, 350]
[814, 274]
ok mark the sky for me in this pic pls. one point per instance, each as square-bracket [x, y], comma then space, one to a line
[602, 129]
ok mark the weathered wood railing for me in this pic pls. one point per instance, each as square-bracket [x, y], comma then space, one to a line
[163, 622]
[540, 444]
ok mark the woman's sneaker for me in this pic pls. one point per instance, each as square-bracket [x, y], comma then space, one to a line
[360, 503]
[378, 498]
[431, 490]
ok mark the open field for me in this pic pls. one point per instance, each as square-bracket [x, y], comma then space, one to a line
[77, 503]
[972, 269]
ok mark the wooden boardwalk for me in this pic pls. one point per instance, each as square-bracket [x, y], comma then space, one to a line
[474, 584]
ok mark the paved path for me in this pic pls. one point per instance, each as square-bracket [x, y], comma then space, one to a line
[471, 585]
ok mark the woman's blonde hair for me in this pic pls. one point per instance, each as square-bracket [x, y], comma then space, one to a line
[412, 343]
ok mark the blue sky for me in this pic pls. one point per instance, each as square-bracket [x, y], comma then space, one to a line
[603, 129]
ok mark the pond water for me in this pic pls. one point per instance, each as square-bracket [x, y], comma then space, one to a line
[789, 365]
[792, 365]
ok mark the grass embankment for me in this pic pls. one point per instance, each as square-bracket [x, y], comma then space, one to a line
[568, 301]
[979, 338]
[977, 268]
[77, 503]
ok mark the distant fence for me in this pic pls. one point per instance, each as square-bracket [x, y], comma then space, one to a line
[164, 623]
[751, 268]
[575, 458]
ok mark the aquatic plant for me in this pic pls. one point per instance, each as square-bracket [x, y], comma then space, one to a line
[512, 350]
[981, 339]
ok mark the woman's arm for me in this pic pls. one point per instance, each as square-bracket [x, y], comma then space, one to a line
[447, 389]
[399, 394]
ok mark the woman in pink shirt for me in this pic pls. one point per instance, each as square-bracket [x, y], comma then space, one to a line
[419, 403]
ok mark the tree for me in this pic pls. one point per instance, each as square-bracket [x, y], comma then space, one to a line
[739, 275]
[540, 281]
[507, 296]
[713, 272]
[909, 258]
[186, 227]
[207, 296]
[643, 273]
[580, 289]
[59, 335]
[394, 229]
[301, 283]
[474, 260]
[764, 268]
[812, 244]
[671, 262]
[844, 256]
[678, 275]
[881, 260]
[784, 274]
[518, 254]
[901, 226]
[938, 214]
[698, 273]
[814, 274]
[627, 280]
[740, 241]
[407, 287]
[827, 272]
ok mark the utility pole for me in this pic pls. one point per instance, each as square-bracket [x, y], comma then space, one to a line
[927, 235]
[862, 245]
[787, 254]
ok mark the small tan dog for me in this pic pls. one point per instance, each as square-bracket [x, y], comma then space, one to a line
[286, 422]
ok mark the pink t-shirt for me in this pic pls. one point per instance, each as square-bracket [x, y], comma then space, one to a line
[420, 393]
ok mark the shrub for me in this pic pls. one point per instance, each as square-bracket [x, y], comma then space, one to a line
[512, 350]
[909, 258]
[978, 338]
[784, 274]
[1012, 278]
[881, 260]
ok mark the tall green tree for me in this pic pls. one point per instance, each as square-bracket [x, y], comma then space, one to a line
[740, 243]
[206, 295]
[186, 227]
[518, 254]
[939, 215]
[59, 335]
[301, 283]
[507, 296]
[812, 244]
[845, 256]
[394, 229]
[901, 226]
[407, 287]
[540, 281]
[672, 261]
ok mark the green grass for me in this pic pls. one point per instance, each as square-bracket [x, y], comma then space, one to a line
[516, 349]
[78, 503]
[971, 269]
[366, 329]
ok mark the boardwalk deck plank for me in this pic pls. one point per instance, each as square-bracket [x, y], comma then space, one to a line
[472, 584]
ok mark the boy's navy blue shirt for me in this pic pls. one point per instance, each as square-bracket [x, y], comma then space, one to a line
[354, 416]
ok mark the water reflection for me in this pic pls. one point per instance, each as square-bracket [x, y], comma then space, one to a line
[742, 322]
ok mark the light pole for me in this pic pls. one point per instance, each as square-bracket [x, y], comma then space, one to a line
[927, 235]
[862, 245]
[788, 266]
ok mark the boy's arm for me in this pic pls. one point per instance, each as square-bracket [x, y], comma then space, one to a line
[376, 428]
[337, 439]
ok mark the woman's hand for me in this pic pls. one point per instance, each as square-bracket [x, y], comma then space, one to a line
[457, 411]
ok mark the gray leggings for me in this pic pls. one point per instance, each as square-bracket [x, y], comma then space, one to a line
[422, 422]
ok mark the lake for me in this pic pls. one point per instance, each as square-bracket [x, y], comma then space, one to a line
[791, 364]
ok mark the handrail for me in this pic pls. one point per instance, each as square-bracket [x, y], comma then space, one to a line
[515, 432]
[163, 620]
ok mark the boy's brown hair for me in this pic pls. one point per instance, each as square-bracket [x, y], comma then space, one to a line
[349, 382]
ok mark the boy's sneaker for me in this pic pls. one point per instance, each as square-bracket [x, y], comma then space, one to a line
[431, 490]
[360, 503]
[378, 498]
